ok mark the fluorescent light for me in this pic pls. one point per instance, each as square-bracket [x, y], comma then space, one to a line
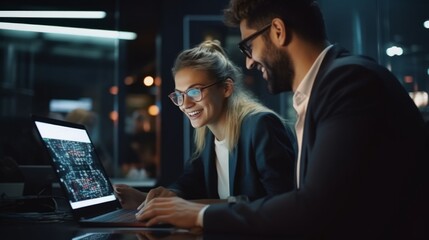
[68, 30]
[67, 105]
[53, 14]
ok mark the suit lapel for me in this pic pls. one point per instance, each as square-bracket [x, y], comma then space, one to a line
[309, 134]
[210, 167]
[232, 161]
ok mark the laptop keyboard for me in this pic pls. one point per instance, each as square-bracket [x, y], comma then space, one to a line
[121, 215]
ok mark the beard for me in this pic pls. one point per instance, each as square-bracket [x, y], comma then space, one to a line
[279, 67]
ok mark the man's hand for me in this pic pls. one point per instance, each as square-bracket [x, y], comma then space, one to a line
[130, 198]
[171, 210]
[155, 193]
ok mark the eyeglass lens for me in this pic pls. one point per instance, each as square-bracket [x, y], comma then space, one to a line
[178, 97]
[195, 94]
[244, 45]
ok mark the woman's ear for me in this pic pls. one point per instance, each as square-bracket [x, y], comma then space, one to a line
[228, 87]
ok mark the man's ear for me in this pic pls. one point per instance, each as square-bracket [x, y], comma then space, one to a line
[228, 87]
[281, 35]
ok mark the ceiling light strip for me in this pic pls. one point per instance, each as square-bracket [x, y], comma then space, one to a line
[68, 30]
[54, 14]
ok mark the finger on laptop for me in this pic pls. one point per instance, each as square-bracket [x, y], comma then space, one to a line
[154, 193]
[150, 195]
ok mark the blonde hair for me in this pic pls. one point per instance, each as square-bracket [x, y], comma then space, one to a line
[209, 56]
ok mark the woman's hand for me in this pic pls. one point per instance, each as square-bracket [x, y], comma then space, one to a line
[130, 198]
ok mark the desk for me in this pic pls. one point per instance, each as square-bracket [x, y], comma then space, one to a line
[72, 231]
[64, 228]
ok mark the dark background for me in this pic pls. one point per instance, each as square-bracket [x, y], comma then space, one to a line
[165, 27]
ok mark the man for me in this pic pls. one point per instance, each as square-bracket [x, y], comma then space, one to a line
[362, 147]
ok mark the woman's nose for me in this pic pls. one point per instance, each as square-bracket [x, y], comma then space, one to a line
[187, 101]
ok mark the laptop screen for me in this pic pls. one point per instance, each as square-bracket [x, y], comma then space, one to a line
[77, 165]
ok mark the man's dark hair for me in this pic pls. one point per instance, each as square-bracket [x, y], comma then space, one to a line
[301, 16]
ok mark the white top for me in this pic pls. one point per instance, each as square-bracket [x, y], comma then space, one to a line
[222, 168]
[300, 102]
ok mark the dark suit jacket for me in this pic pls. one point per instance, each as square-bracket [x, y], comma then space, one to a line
[362, 155]
[261, 164]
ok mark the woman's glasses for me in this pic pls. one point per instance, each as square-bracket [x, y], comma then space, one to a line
[195, 94]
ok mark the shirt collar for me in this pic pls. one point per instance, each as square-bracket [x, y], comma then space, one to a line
[304, 88]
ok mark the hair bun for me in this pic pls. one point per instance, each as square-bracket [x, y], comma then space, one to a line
[213, 45]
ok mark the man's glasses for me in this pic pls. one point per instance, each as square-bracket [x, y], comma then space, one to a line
[245, 44]
[195, 94]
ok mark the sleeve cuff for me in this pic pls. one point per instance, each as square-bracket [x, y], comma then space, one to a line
[200, 216]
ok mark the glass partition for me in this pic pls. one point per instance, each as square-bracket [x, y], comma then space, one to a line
[394, 33]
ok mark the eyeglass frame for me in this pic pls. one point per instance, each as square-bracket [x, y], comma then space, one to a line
[243, 44]
[183, 93]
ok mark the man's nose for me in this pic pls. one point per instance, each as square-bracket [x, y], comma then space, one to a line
[249, 63]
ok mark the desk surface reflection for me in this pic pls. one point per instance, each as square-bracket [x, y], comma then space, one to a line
[72, 231]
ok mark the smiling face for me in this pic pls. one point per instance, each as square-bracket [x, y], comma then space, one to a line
[279, 69]
[275, 64]
[210, 111]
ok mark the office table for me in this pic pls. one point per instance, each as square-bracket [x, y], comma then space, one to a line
[70, 230]
[63, 227]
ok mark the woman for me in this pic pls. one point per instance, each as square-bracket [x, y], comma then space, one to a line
[243, 151]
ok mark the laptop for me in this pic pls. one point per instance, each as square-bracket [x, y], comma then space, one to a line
[81, 174]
